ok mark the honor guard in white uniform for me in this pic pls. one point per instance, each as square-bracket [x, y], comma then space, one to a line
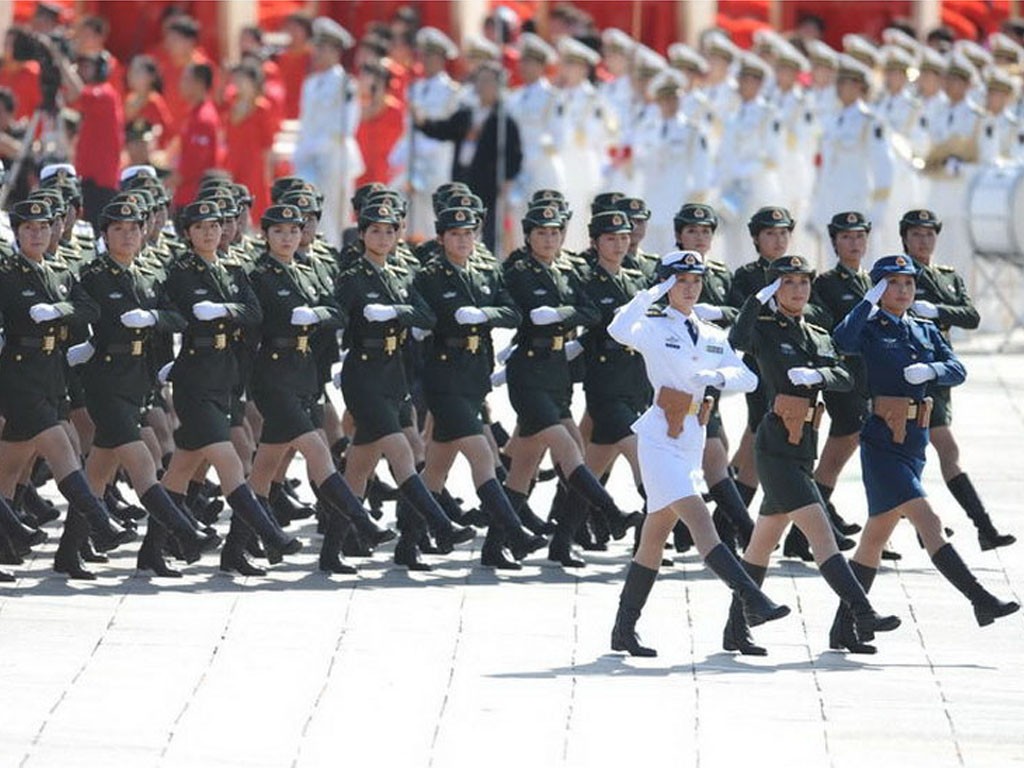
[931, 69]
[856, 157]
[1000, 90]
[959, 144]
[590, 128]
[535, 108]
[1007, 53]
[747, 164]
[695, 105]
[672, 160]
[864, 51]
[427, 162]
[822, 92]
[619, 51]
[722, 56]
[981, 59]
[622, 176]
[326, 152]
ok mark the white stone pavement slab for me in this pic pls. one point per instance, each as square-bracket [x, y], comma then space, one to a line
[466, 667]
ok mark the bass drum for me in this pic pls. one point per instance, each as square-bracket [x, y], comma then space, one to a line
[995, 212]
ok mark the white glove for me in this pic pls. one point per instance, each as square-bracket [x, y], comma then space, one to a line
[470, 316]
[164, 373]
[708, 312]
[498, 377]
[708, 378]
[768, 291]
[420, 333]
[80, 353]
[925, 309]
[659, 290]
[544, 316]
[503, 356]
[304, 316]
[573, 349]
[209, 310]
[42, 313]
[804, 377]
[918, 373]
[138, 318]
[876, 291]
[379, 313]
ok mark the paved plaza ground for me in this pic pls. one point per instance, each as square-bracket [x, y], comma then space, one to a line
[467, 667]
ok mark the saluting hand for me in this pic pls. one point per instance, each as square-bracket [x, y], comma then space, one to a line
[876, 291]
[43, 313]
[209, 310]
[804, 377]
[138, 318]
[379, 313]
[304, 316]
[659, 290]
[918, 373]
[768, 291]
[470, 316]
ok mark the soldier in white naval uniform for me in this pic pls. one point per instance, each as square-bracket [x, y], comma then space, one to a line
[326, 153]
[683, 357]
[671, 159]
[695, 105]
[856, 157]
[720, 86]
[426, 162]
[534, 107]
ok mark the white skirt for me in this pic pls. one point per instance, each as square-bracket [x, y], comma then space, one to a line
[670, 472]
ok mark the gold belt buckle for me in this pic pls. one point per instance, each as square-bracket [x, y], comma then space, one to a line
[136, 349]
[390, 344]
[220, 341]
[302, 344]
[473, 344]
[557, 343]
[911, 411]
[63, 333]
[49, 344]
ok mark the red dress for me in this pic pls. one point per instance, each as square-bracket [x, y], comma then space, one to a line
[249, 142]
[199, 150]
[153, 109]
[377, 136]
[293, 66]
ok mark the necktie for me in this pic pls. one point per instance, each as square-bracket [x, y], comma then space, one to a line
[692, 328]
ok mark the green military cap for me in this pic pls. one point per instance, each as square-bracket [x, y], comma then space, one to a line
[547, 194]
[281, 214]
[790, 265]
[71, 191]
[848, 221]
[224, 201]
[283, 185]
[609, 223]
[559, 202]
[920, 217]
[549, 215]
[887, 266]
[242, 195]
[378, 213]
[365, 191]
[468, 200]
[304, 201]
[201, 210]
[456, 218]
[32, 209]
[391, 198]
[770, 217]
[443, 190]
[51, 197]
[696, 214]
[634, 207]
[679, 263]
[149, 183]
[605, 201]
[140, 198]
[120, 211]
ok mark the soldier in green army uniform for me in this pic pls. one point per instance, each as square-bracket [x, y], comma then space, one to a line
[39, 300]
[286, 383]
[796, 360]
[467, 297]
[695, 225]
[379, 304]
[117, 381]
[637, 258]
[215, 300]
[553, 303]
[942, 297]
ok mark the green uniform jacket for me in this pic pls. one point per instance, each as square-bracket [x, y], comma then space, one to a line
[717, 291]
[944, 288]
[458, 359]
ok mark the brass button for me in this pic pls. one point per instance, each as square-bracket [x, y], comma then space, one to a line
[274, 356]
[444, 356]
[191, 351]
[220, 326]
[107, 358]
[364, 356]
[17, 357]
[529, 353]
[603, 358]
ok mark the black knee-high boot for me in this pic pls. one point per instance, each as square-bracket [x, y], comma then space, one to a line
[338, 494]
[502, 519]
[746, 492]
[988, 537]
[233, 555]
[987, 607]
[725, 494]
[446, 533]
[736, 635]
[251, 512]
[639, 582]
[569, 514]
[106, 534]
[67, 559]
[758, 608]
[837, 573]
[411, 529]
[162, 508]
[21, 535]
[582, 481]
[843, 633]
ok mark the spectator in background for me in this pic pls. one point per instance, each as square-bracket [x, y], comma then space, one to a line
[180, 51]
[381, 125]
[294, 61]
[144, 98]
[101, 131]
[254, 51]
[199, 134]
[12, 134]
[46, 18]
[249, 127]
[19, 73]
[90, 38]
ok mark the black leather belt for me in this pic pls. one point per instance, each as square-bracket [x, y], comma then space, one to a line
[217, 341]
[388, 344]
[300, 343]
[45, 344]
[554, 343]
[471, 344]
[133, 349]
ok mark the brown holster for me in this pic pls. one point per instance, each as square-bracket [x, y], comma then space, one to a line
[795, 412]
[677, 405]
[897, 411]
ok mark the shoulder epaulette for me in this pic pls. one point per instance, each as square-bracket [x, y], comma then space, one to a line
[945, 268]
[656, 312]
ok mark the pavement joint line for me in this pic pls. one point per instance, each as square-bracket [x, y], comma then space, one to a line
[693, 671]
[331, 664]
[931, 669]
[573, 678]
[451, 672]
[75, 678]
[814, 671]
[172, 731]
